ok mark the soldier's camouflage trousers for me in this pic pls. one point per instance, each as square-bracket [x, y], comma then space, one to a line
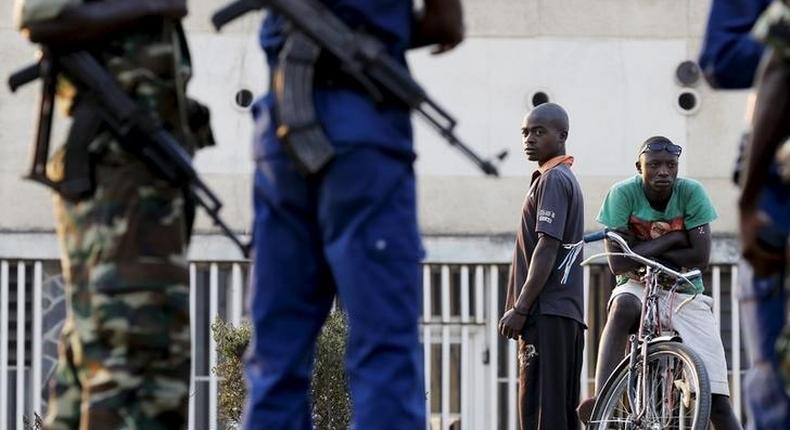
[124, 358]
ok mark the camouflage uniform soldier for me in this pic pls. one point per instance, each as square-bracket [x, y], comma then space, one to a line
[774, 29]
[124, 359]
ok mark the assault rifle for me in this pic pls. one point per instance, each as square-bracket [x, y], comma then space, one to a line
[313, 28]
[139, 132]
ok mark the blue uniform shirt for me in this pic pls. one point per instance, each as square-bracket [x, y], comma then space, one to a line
[730, 56]
[348, 117]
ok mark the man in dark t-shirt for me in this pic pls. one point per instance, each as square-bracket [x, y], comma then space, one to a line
[544, 305]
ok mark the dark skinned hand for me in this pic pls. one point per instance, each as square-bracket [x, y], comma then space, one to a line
[512, 324]
[441, 24]
[763, 261]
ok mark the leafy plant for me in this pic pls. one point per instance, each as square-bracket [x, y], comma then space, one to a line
[34, 423]
[331, 401]
[231, 343]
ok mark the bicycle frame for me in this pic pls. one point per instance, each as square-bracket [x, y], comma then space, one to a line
[650, 328]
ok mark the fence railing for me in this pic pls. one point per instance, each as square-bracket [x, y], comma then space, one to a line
[471, 373]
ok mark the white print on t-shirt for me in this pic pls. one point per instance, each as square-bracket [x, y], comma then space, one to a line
[545, 216]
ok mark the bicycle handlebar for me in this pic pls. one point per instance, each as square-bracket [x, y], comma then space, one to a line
[596, 236]
[627, 252]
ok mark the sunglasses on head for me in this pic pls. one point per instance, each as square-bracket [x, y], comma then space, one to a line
[662, 146]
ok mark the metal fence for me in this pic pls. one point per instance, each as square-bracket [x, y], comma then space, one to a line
[470, 371]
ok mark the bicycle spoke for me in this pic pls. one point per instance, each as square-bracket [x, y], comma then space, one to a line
[671, 401]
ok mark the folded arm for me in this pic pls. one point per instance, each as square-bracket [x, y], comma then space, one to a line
[696, 254]
[653, 248]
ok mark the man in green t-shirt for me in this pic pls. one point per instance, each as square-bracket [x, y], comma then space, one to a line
[665, 218]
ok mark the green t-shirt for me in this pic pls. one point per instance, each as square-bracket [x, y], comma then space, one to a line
[626, 206]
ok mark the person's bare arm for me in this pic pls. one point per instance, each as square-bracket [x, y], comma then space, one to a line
[440, 23]
[540, 267]
[512, 288]
[89, 22]
[654, 248]
[696, 254]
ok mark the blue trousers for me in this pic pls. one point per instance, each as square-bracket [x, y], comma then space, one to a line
[763, 310]
[763, 313]
[351, 232]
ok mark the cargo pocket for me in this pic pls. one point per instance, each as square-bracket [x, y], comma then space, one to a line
[392, 232]
[142, 229]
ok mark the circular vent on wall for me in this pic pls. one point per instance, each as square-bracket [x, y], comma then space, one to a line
[687, 101]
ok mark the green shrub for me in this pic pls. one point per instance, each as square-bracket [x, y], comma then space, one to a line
[331, 401]
[231, 343]
[34, 423]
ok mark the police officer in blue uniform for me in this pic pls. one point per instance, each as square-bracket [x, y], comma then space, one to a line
[348, 231]
[730, 56]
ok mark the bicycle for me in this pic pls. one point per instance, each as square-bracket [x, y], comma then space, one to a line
[661, 383]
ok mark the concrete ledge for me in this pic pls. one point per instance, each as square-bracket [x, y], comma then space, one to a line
[495, 249]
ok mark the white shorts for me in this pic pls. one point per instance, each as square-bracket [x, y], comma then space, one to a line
[696, 325]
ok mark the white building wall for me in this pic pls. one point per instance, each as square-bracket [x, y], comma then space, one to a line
[610, 63]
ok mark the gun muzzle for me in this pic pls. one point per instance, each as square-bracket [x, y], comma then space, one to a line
[24, 76]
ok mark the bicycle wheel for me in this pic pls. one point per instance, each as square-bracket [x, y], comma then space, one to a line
[678, 393]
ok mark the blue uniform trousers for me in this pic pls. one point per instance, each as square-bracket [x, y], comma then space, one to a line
[763, 313]
[763, 307]
[351, 232]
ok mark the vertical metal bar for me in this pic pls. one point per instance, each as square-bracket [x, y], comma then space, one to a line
[20, 345]
[512, 380]
[479, 303]
[4, 342]
[736, 343]
[445, 346]
[237, 295]
[585, 385]
[426, 339]
[212, 353]
[192, 336]
[37, 341]
[493, 354]
[464, 383]
[716, 290]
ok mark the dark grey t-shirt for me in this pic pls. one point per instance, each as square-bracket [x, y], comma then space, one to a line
[554, 206]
